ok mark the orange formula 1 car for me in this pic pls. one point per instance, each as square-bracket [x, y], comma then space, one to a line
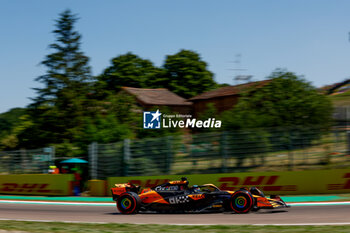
[177, 196]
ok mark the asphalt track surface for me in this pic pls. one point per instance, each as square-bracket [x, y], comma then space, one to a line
[298, 215]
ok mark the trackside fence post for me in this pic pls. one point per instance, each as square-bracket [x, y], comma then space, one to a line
[348, 141]
[290, 152]
[223, 151]
[93, 153]
[53, 154]
[126, 156]
[169, 152]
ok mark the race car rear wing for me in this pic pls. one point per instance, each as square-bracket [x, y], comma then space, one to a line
[122, 188]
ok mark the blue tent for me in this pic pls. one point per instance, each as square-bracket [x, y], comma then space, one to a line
[74, 160]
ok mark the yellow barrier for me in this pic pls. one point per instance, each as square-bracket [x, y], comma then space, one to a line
[292, 182]
[41, 184]
[97, 188]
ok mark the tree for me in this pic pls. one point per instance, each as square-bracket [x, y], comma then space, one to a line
[9, 119]
[287, 100]
[286, 113]
[104, 129]
[13, 139]
[115, 120]
[128, 70]
[62, 103]
[186, 74]
[67, 66]
[12, 124]
[209, 112]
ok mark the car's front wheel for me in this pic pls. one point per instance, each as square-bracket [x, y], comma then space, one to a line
[241, 202]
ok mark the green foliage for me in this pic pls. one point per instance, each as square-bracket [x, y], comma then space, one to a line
[9, 120]
[144, 166]
[104, 129]
[18, 122]
[58, 112]
[72, 110]
[281, 114]
[210, 112]
[152, 156]
[187, 75]
[62, 102]
[183, 73]
[287, 100]
[124, 107]
[128, 70]
[68, 149]
[247, 143]
[67, 67]
[115, 119]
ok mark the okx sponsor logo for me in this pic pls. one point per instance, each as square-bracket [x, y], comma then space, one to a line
[151, 120]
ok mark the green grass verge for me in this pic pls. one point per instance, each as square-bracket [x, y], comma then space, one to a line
[87, 227]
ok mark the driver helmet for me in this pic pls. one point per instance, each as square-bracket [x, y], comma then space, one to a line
[196, 188]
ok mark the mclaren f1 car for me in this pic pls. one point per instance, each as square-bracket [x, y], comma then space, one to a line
[177, 196]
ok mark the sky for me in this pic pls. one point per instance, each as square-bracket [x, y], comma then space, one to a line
[309, 38]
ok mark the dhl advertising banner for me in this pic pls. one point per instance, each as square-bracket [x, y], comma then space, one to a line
[41, 184]
[291, 182]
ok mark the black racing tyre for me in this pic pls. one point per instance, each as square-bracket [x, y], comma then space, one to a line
[241, 202]
[128, 203]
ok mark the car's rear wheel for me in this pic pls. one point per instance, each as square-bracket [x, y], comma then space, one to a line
[241, 202]
[128, 203]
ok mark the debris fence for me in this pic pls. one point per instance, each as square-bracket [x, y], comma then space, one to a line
[219, 152]
[24, 161]
[203, 153]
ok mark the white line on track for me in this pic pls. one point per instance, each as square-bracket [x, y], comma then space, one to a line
[179, 224]
[113, 204]
[32, 220]
[286, 224]
[306, 224]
